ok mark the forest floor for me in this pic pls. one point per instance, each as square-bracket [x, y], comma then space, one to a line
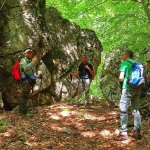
[63, 126]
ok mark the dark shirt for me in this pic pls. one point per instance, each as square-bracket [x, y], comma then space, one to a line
[84, 73]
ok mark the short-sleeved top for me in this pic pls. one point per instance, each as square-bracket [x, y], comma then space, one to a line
[84, 73]
[127, 68]
[27, 65]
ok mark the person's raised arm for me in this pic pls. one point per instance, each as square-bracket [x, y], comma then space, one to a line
[31, 64]
[90, 70]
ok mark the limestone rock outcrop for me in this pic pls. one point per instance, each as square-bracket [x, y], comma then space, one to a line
[57, 43]
[109, 84]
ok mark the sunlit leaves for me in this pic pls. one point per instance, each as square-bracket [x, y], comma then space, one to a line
[118, 24]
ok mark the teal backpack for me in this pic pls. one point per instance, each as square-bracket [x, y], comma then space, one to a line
[137, 78]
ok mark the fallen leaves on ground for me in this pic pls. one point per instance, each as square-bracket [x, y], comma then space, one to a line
[63, 126]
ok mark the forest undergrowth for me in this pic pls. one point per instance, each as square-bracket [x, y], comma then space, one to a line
[63, 126]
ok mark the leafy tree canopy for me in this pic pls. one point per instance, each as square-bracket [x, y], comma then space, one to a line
[117, 23]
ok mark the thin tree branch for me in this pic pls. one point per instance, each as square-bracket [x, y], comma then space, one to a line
[146, 9]
[2, 5]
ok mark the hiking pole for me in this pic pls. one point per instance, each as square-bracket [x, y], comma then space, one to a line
[41, 77]
[83, 89]
[71, 77]
[70, 93]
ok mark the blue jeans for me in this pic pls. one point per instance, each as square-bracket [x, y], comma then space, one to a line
[129, 97]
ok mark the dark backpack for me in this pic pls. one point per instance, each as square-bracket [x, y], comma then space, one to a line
[137, 78]
[31, 78]
[16, 71]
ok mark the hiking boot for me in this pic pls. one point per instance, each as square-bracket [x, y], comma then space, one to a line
[135, 134]
[121, 138]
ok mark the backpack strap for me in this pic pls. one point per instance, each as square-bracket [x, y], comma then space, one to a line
[131, 71]
[130, 61]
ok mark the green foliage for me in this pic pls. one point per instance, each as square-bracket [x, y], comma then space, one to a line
[22, 139]
[65, 109]
[73, 100]
[28, 115]
[118, 24]
[68, 131]
[95, 85]
[3, 124]
[93, 125]
[86, 116]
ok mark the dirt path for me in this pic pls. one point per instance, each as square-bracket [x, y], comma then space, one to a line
[67, 127]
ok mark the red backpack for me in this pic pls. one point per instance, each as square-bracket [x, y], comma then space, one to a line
[16, 71]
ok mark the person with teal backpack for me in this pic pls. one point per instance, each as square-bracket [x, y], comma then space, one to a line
[129, 95]
[137, 77]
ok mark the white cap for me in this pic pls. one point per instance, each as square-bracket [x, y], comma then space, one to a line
[28, 50]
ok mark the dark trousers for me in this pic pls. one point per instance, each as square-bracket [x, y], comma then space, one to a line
[26, 88]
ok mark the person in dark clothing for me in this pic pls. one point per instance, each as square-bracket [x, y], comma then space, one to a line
[145, 89]
[148, 67]
[86, 73]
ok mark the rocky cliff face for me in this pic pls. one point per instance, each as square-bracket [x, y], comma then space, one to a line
[109, 77]
[57, 43]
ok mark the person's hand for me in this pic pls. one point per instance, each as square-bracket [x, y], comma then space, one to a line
[72, 74]
[34, 59]
[75, 74]
[87, 67]
[40, 76]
